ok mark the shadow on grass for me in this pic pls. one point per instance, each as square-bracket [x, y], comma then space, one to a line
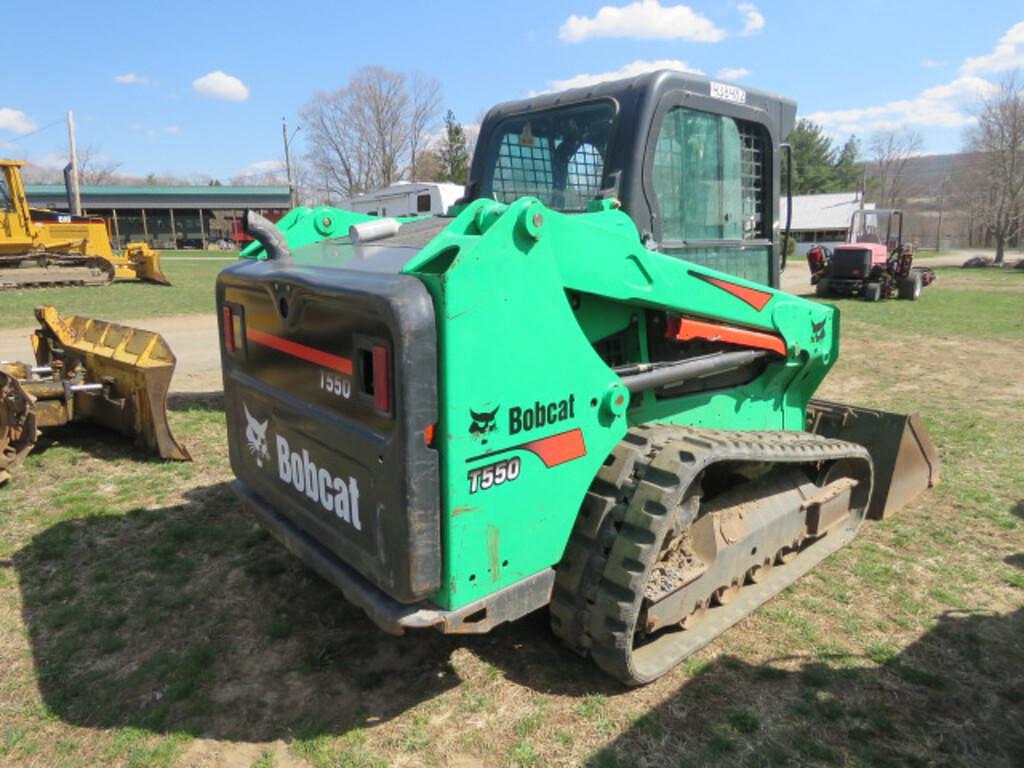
[95, 441]
[955, 697]
[192, 619]
[1018, 508]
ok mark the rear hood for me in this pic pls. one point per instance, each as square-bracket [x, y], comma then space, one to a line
[387, 255]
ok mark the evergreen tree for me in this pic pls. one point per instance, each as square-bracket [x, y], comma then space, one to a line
[814, 159]
[452, 151]
[848, 169]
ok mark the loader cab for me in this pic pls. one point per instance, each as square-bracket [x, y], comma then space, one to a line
[695, 163]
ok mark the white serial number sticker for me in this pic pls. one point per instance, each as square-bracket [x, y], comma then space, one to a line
[727, 92]
[499, 473]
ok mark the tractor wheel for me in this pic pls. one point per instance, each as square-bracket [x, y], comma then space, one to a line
[910, 287]
[822, 288]
[872, 292]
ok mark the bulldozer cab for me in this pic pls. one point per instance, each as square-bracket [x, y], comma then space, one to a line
[694, 162]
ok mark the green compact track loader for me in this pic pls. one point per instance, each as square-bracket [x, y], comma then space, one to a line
[582, 389]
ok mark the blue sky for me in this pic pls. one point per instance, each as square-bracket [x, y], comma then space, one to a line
[200, 88]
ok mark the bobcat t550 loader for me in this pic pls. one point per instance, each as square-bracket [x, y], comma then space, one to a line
[580, 390]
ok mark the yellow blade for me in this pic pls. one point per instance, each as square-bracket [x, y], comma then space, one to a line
[135, 367]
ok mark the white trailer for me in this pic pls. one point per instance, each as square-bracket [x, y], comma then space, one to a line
[408, 198]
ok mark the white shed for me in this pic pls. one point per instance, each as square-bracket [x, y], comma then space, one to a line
[821, 219]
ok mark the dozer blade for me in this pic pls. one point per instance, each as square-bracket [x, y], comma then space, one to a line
[902, 452]
[140, 262]
[131, 367]
[18, 431]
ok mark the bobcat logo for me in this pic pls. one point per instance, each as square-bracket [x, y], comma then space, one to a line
[256, 434]
[483, 423]
[817, 331]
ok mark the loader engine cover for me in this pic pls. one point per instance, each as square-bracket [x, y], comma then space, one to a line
[330, 386]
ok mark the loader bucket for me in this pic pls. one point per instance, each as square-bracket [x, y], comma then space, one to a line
[902, 452]
[133, 366]
[140, 262]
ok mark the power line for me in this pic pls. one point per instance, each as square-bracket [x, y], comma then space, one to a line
[37, 130]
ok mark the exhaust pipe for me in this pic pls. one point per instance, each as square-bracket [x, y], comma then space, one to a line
[266, 234]
[72, 191]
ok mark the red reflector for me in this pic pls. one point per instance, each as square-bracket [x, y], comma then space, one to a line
[428, 435]
[381, 379]
[229, 330]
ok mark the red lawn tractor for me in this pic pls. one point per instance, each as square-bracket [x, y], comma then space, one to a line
[872, 264]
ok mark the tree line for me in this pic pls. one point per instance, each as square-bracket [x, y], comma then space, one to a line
[821, 166]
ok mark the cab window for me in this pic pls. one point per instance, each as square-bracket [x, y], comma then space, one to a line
[708, 177]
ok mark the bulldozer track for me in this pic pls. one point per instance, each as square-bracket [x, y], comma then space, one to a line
[644, 487]
[54, 272]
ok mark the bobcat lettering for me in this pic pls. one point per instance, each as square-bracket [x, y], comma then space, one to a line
[540, 415]
[335, 494]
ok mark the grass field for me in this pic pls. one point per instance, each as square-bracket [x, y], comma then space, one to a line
[145, 621]
[191, 291]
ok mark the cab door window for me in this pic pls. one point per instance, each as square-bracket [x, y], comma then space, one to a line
[708, 178]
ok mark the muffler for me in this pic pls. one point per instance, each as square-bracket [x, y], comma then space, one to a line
[903, 454]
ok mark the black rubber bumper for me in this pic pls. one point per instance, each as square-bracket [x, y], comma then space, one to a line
[481, 616]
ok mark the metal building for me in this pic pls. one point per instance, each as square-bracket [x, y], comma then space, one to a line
[168, 216]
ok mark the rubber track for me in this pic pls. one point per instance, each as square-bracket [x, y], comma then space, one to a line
[599, 584]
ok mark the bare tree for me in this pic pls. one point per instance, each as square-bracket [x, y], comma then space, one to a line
[888, 154]
[94, 167]
[995, 176]
[367, 134]
[426, 106]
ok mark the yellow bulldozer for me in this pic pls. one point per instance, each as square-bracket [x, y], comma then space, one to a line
[43, 248]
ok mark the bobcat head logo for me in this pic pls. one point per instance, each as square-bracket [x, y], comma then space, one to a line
[256, 435]
[483, 423]
[818, 331]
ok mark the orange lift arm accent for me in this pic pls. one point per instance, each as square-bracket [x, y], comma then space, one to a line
[687, 329]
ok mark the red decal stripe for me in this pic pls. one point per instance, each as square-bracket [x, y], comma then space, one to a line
[301, 351]
[558, 449]
[755, 298]
[685, 329]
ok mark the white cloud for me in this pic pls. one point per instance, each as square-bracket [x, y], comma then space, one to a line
[219, 85]
[932, 63]
[1008, 54]
[172, 129]
[942, 106]
[642, 20]
[753, 20]
[263, 166]
[15, 121]
[130, 78]
[638, 67]
[732, 73]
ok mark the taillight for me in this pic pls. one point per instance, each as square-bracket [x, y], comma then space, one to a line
[381, 379]
[229, 330]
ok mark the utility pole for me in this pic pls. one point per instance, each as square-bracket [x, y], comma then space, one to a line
[76, 196]
[288, 162]
[938, 229]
